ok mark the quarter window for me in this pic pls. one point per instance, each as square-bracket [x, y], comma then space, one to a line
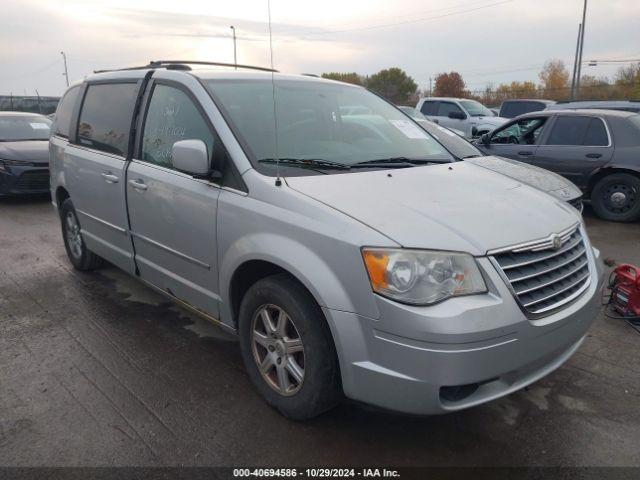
[105, 119]
[171, 117]
[62, 121]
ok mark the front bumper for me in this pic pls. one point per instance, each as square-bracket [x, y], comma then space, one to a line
[24, 180]
[460, 353]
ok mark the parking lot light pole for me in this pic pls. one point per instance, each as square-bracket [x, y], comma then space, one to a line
[66, 72]
[235, 59]
[575, 64]
[579, 72]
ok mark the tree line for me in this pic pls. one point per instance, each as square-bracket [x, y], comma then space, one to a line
[554, 84]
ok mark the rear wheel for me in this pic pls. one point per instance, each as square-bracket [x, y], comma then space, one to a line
[287, 348]
[616, 197]
[81, 257]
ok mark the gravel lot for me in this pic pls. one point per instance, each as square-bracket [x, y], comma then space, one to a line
[97, 369]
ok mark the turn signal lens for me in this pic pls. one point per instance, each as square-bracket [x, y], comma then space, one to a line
[422, 277]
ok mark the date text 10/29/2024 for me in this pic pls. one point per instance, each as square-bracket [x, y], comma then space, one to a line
[315, 473]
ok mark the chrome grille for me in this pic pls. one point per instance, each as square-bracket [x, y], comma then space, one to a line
[543, 276]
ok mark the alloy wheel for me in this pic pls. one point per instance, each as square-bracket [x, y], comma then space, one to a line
[74, 240]
[277, 349]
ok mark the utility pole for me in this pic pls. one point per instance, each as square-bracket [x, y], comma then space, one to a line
[39, 106]
[575, 64]
[584, 19]
[235, 58]
[430, 86]
[66, 72]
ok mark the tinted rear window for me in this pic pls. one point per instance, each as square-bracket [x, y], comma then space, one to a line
[513, 109]
[105, 119]
[588, 131]
[62, 121]
[596, 134]
[569, 131]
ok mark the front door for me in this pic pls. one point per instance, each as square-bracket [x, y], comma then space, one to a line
[576, 146]
[517, 140]
[173, 214]
[95, 175]
[447, 108]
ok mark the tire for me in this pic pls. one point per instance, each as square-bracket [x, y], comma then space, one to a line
[80, 256]
[320, 388]
[616, 197]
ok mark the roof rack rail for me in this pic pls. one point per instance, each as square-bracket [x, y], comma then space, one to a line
[184, 65]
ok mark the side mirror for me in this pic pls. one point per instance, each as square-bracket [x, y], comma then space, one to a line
[190, 156]
[485, 139]
[457, 115]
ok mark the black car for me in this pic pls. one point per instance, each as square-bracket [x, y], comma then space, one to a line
[24, 153]
[598, 150]
[520, 106]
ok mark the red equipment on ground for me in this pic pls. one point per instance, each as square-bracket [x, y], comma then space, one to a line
[625, 290]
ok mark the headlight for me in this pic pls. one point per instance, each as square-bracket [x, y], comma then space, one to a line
[12, 163]
[422, 277]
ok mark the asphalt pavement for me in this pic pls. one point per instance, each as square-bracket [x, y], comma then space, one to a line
[96, 369]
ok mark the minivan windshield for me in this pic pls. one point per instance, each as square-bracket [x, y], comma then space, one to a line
[14, 128]
[330, 124]
[476, 109]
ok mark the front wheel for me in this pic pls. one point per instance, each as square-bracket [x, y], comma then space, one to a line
[287, 348]
[616, 197]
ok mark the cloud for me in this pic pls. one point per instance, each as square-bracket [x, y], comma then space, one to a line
[485, 40]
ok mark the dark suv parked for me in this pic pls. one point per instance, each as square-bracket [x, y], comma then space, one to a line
[513, 108]
[598, 150]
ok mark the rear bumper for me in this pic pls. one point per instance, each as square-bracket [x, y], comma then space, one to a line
[24, 180]
[461, 353]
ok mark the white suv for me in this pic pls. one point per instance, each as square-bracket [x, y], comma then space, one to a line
[468, 116]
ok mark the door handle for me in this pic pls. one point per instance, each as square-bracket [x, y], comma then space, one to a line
[593, 155]
[525, 154]
[138, 184]
[435, 120]
[109, 177]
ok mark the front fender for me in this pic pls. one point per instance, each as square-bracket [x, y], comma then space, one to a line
[307, 266]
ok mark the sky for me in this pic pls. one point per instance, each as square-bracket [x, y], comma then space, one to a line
[487, 41]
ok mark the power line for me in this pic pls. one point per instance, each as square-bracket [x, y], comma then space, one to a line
[415, 20]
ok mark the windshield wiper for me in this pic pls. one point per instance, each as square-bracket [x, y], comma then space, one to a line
[306, 163]
[393, 162]
[475, 155]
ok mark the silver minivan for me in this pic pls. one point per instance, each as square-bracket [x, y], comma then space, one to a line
[326, 229]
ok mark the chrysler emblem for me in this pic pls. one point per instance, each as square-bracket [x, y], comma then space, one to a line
[556, 241]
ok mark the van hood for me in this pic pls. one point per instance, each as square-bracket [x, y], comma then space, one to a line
[458, 206]
[34, 151]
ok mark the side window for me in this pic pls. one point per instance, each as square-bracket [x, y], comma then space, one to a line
[596, 134]
[171, 116]
[105, 118]
[447, 107]
[429, 108]
[64, 111]
[524, 132]
[569, 131]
